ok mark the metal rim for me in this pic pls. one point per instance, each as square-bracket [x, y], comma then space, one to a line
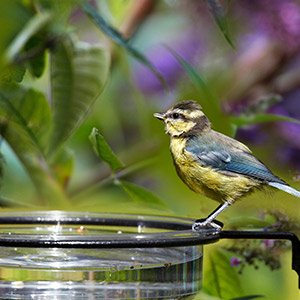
[177, 231]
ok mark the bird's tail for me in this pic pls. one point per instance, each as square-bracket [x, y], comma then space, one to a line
[285, 188]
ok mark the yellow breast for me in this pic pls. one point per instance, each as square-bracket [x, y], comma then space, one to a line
[202, 179]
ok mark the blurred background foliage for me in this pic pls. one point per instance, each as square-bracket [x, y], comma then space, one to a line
[80, 80]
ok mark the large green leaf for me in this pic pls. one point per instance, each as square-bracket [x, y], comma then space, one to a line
[78, 74]
[218, 12]
[49, 191]
[23, 122]
[117, 37]
[28, 108]
[142, 195]
[221, 279]
[104, 151]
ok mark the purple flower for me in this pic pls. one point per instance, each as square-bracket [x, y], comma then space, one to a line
[289, 107]
[268, 244]
[235, 261]
[277, 20]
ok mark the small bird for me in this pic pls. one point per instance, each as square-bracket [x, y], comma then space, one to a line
[211, 163]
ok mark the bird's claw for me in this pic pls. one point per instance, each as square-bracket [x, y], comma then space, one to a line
[203, 224]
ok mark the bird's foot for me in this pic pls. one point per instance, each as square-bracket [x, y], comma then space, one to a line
[204, 224]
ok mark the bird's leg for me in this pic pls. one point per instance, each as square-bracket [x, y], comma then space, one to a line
[209, 221]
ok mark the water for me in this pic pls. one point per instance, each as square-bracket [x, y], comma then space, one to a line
[153, 273]
[95, 273]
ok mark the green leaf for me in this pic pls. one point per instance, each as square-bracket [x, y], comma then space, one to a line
[202, 296]
[218, 12]
[246, 120]
[62, 166]
[78, 75]
[61, 10]
[34, 25]
[117, 37]
[38, 61]
[104, 151]
[14, 16]
[12, 73]
[142, 195]
[30, 109]
[221, 279]
[49, 191]
[250, 297]
[23, 122]
[208, 100]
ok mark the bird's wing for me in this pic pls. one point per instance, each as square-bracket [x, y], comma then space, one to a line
[228, 158]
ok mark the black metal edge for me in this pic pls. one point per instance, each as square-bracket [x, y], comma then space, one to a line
[130, 241]
[109, 244]
[29, 220]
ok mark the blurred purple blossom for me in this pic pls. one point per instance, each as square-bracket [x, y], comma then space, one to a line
[277, 20]
[268, 244]
[290, 107]
[235, 261]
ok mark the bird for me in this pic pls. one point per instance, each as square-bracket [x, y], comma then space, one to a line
[214, 164]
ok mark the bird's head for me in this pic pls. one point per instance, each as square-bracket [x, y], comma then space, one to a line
[184, 118]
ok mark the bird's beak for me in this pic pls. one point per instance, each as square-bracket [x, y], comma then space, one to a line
[159, 116]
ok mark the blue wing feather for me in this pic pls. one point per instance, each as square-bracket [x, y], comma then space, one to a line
[223, 157]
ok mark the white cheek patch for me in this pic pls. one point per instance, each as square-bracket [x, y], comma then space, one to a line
[196, 114]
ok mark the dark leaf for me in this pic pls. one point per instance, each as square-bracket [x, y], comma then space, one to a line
[34, 25]
[218, 12]
[12, 73]
[117, 37]
[23, 122]
[78, 75]
[29, 109]
[208, 100]
[49, 191]
[37, 62]
[104, 151]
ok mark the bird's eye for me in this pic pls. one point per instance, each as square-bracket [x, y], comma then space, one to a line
[175, 116]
